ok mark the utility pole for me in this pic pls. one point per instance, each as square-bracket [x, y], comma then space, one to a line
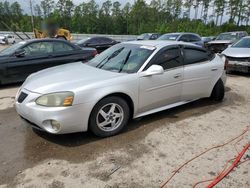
[32, 17]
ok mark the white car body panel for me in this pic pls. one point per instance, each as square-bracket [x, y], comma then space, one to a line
[148, 94]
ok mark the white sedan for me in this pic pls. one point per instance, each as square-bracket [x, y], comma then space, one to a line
[129, 80]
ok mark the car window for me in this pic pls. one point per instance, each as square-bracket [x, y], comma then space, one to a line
[193, 38]
[106, 40]
[196, 55]
[39, 48]
[94, 41]
[243, 43]
[62, 47]
[154, 36]
[169, 58]
[184, 38]
[127, 58]
[169, 37]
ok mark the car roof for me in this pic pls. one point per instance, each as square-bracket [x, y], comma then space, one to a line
[159, 43]
[181, 33]
[234, 32]
[45, 40]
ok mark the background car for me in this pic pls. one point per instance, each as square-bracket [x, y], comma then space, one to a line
[20, 60]
[10, 39]
[149, 36]
[208, 39]
[99, 43]
[224, 40]
[3, 40]
[184, 37]
[238, 56]
[129, 80]
[7, 39]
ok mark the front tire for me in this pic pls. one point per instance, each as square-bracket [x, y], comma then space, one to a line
[109, 116]
[218, 92]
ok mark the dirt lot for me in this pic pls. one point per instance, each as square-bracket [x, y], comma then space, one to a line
[144, 155]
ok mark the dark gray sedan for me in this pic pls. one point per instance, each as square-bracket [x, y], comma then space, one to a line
[17, 62]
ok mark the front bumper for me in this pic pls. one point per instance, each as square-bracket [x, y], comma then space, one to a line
[239, 66]
[72, 119]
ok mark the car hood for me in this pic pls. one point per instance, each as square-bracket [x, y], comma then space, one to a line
[237, 52]
[68, 77]
[221, 42]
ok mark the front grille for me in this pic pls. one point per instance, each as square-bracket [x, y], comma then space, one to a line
[22, 97]
[244, 59]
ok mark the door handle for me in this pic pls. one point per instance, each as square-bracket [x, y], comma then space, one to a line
[177, 76]
[214, 69]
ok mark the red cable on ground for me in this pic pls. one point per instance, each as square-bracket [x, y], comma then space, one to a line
[236, 161]
[215, 147]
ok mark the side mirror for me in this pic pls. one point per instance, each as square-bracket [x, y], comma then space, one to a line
[20, 53]
[153, 70]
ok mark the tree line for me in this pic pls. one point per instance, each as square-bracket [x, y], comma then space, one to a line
[205, 17]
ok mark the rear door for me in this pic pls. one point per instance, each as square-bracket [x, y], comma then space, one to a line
[198, 72]
[38, 56]
[161, 90]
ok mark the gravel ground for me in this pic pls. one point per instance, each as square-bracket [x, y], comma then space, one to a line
[144, 155]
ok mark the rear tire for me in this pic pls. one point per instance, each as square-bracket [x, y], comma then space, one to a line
[109, 116]
[218, 92]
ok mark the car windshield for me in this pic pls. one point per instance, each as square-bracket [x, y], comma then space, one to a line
[243, 43]
[10, 50]
[227, 36]
[144, 36]
[125, 58]
[169, 37]
[82, 41]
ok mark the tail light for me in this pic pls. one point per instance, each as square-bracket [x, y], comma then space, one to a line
[94, 53]
[226, 64]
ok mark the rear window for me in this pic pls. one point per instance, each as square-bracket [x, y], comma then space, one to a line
[196, 55]
[172, 37]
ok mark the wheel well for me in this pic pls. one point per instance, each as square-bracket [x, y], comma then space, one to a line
[123, 96]
[126, 98]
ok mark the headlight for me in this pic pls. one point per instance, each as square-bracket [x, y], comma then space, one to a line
[56, 99]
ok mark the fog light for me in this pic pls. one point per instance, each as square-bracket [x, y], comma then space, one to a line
[55, 125]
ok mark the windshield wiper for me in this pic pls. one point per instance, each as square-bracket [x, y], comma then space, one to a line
[113, 55]
[126, 60]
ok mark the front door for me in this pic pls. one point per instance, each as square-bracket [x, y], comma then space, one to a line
[37, 57]
[161, 90]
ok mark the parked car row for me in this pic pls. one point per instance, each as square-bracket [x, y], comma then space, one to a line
[125, 81]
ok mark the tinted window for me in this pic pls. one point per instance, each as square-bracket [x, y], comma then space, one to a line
[94, 40]
[184, 38]
[106, 40]
[62, 47]
[82, 41]
[169, 58]
[154, 36]
[195, 55]
[39, 48]
[10, 50]
[193, 38]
